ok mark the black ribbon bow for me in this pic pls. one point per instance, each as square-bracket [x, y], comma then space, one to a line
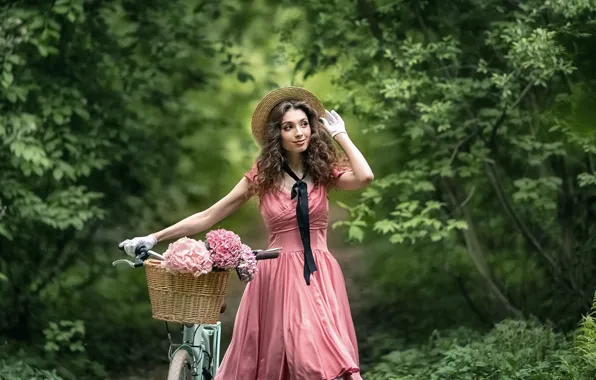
[300, 190]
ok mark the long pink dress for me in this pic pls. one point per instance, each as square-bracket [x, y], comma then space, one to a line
[285, 329]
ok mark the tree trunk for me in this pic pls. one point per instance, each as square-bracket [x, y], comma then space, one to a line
[477, 256]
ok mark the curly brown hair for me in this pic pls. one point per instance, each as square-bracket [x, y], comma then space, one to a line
[320, 158]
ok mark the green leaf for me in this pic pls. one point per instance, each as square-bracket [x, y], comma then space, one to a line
[76, 347]
[356, 233]
[373, 194]
[586, 179]
[340, 223]
[384, 226]
[43, 50]
[456, 224]
[5, 232]
[397, 238]
[61, 9]
[51, 347]
[57, 173]
[343, 205]
[7, 79]
[11, 96]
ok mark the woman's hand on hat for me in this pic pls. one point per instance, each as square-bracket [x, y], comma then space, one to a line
[333, 123]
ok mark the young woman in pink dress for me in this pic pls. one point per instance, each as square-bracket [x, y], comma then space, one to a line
[294, 320]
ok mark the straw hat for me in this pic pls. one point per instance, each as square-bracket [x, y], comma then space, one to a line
[261, 114]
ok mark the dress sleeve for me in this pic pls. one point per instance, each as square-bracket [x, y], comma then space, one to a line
[251, 175]
[338, 172]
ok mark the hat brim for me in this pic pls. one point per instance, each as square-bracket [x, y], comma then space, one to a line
[263, 109]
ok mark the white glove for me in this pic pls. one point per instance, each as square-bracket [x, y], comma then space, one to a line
[130, 245]
[333, 123]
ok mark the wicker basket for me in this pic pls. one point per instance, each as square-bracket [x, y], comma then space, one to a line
[183, 298]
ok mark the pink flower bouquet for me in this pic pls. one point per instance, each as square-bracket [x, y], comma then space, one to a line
[222, 250]
[188, 255]
[247, 268]
[225, 247]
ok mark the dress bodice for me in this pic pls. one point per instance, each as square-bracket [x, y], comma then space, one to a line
[279, 215]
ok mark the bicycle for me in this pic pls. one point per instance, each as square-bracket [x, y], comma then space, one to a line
[197, 357]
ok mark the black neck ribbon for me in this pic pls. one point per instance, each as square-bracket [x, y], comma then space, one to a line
[300, 190]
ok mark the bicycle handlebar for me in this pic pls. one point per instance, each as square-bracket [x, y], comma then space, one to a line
[267, 255]
[142, 254]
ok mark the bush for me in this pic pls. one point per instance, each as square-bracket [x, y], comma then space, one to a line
[21, 371]
[512, 350]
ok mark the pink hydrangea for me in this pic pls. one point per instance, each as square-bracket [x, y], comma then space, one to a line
[188, 256]
[247, 268]
[225, 247]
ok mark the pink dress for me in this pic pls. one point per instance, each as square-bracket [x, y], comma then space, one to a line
[286, 329]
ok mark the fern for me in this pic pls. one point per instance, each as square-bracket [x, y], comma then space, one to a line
[585, 340]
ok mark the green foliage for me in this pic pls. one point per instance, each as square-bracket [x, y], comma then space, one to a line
[117, 118]
[485, 139]
[19, 371]
[512, 350]
[585, 341]
[87, 91]
[64, 335]
[37, 145]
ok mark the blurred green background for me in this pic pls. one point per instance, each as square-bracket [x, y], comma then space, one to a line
[471, 256]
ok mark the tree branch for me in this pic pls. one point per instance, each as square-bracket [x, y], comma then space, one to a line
[95, 272]
[493, 134]
[64, 259]
[463, 142]
[464, 291]
[367, 10]
[465, 201]
[477, 256]
[525, 231]
[521, 226]
[499, 122]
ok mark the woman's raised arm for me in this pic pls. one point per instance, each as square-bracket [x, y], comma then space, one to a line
[361, 174]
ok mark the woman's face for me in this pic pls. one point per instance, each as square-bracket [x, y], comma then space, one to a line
[295, 131]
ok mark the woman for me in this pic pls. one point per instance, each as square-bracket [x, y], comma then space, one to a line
[294, 320]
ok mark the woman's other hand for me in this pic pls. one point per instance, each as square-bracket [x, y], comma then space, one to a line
[131, 245]
[333, 123]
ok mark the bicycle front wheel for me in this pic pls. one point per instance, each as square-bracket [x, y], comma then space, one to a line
[180, 366]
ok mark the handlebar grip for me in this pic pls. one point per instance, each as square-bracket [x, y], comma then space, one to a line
[142, 253]
[266, 255]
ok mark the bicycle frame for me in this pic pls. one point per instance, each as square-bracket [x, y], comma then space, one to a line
[203, 342]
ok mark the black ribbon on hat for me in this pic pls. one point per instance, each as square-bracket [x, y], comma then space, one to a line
[300, 190]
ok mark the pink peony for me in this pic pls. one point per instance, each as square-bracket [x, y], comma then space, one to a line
[188, 256]
[225, 247]
[247, 268]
